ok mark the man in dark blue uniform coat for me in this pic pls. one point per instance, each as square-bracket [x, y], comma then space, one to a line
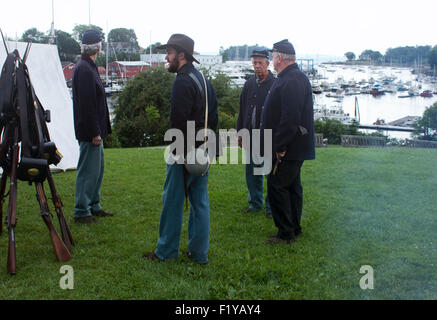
[288, 113]
[91, 125]
[249, 117]
[187, 104]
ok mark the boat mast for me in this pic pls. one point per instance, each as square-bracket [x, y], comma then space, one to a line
[52, 28]
[150, 48]
[107, 51]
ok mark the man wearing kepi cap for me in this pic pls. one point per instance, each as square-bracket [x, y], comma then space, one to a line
[188, 103]
[288, 113]
[91, 125]
[249, 117]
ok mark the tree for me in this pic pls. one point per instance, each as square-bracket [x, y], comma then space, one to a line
[350, 56]
[34, 36]
[154, 50]
[432, 57]
[68, 47]
[124, 35]
[79, 30]
[426, 127]
[333, 129]
[371, 55]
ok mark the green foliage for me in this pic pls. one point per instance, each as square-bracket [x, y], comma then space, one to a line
[123, 35]
[426, 127]
[432, 57]
[375, 56]
[143, 108]
[34, 36]
[68, 47]
[79, 30]
[238, 52]
[112, 141]
[154, 50]
[228, 98]
[407, 55]
[333, 129]
[350, 55]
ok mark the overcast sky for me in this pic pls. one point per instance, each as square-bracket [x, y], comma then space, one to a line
[313, 26]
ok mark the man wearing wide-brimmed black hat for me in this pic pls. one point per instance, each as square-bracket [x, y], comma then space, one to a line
[91, 125]
[288, 113]
[249, 117]
[188, 103]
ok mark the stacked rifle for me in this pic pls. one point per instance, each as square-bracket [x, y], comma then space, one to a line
[23, 119]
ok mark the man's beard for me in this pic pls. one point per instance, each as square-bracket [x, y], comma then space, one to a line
[173, 65]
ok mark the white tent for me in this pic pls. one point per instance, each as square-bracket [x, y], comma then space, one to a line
[49, 83]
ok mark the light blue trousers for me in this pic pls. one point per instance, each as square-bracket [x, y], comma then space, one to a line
[255, 186]
[170, 225]
[89, 179]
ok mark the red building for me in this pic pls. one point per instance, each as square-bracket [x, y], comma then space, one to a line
[127, 69]
[68, 69]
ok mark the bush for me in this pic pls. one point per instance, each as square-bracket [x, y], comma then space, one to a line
[112, 141]
[333, 129]
[142, 110]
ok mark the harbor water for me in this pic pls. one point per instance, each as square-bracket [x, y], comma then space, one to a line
[388, 107]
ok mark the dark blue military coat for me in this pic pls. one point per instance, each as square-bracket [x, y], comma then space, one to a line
[288, 111]
[252, 98]
[90, 109]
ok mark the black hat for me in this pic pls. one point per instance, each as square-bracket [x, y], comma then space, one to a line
[283, 46]
[181, 42]
[260, 53]
[91, 37]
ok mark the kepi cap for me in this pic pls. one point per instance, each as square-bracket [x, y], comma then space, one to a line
[260, 53]
[283, 46]
[182, 42]
[91, 37]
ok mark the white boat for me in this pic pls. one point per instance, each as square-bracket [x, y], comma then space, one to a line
[334, 112]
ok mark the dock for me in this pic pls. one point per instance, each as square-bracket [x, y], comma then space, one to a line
[385, 127]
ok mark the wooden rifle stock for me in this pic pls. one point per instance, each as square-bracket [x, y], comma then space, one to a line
[61, 251]
[12, 208]
[65, 230]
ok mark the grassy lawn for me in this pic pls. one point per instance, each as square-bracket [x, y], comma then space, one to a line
[371, 207]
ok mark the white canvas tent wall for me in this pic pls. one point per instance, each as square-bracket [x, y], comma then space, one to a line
[49, 83]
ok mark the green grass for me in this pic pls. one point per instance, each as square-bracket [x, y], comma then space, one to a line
[371, 206]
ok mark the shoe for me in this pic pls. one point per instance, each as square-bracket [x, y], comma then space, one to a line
[188, 254]
[248, 210]
[86, 220]
[102, 213]
[269, 216]
[151, 256]
[277, 240]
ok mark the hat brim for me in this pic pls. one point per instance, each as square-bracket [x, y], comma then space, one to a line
[259, 56]
[165, 46]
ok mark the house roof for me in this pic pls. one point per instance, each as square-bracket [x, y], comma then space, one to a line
[132, 63]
